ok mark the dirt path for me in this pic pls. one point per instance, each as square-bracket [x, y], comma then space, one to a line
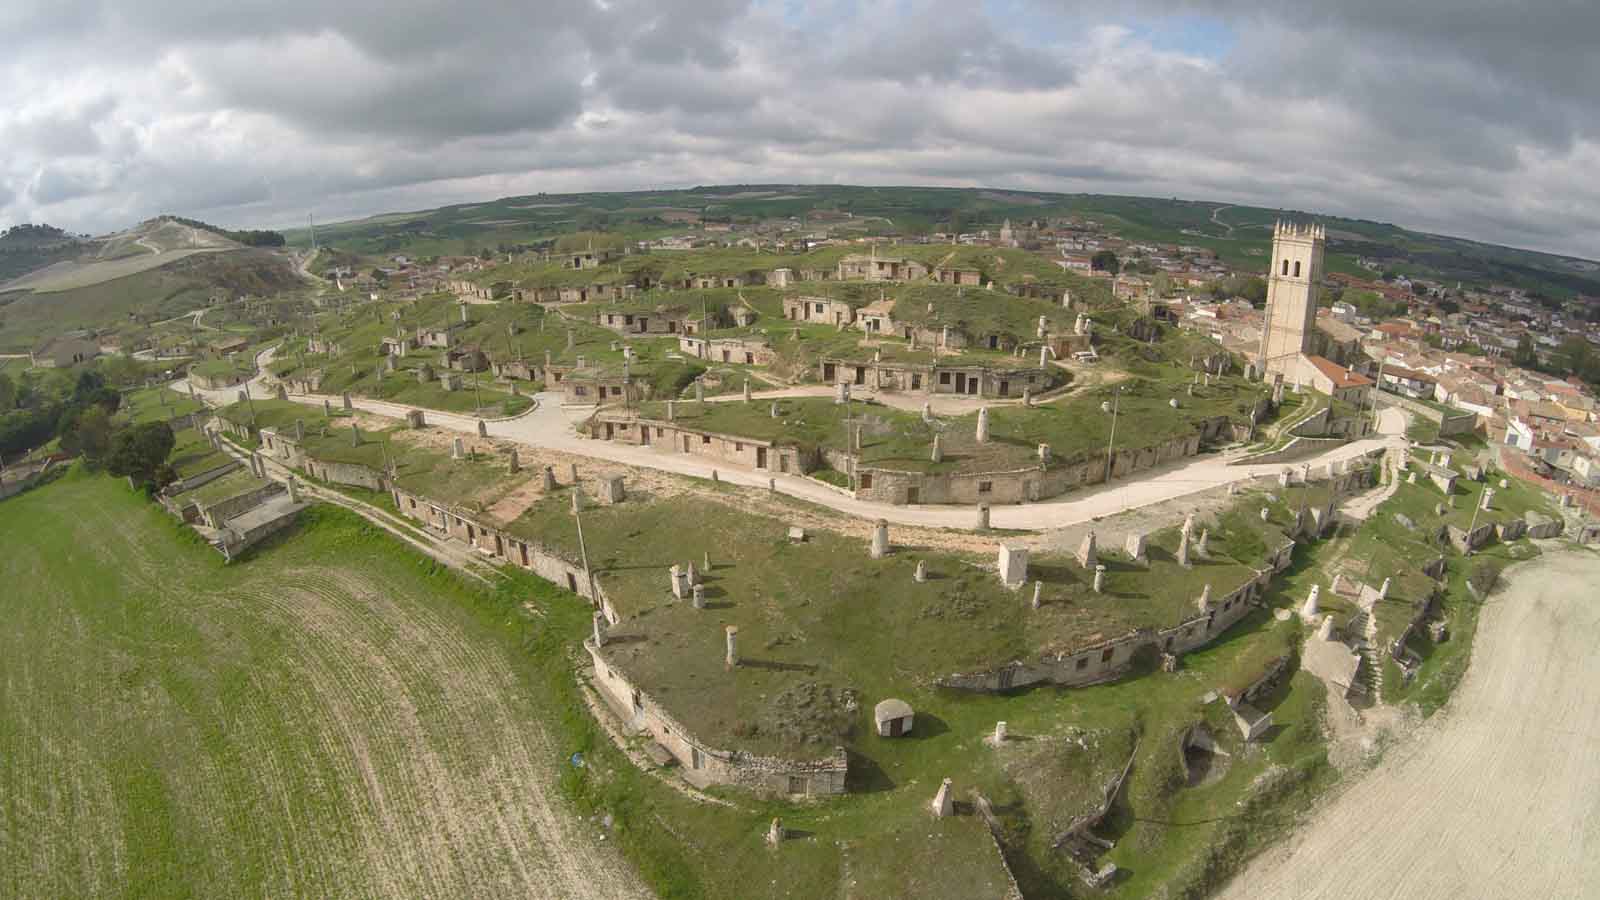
[1218, 211]
[1498, 796]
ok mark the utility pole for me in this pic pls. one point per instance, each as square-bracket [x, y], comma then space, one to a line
[1116, 403]
[1477, 504]
[583, 550]
[1375, 389]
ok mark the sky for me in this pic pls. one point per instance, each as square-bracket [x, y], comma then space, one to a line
[1475, 118]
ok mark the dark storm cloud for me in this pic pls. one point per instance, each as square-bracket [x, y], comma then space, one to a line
[1465, 117]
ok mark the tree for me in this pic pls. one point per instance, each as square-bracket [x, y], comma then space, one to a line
[90, 390]
[8, 393]
[141, 451]
[87, 432]
[24, 429]
[1577, 356]
[1525, 356]
[1105, 261]
[1160, 284]
[1253, 289]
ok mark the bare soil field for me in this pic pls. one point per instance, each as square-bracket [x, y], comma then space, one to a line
[65, 276]
[1498, 795]
[327, 718]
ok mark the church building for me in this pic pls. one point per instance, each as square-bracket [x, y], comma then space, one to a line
[1294, 280]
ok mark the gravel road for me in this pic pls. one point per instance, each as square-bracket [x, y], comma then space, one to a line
[1498, 796]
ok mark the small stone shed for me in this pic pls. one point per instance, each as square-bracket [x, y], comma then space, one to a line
[893, 718]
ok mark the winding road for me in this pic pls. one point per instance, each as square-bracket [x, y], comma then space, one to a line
[1498, 796]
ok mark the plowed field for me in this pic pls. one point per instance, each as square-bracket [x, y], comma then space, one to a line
[322, 720]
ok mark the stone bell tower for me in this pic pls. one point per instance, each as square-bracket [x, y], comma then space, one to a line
[1294, 280]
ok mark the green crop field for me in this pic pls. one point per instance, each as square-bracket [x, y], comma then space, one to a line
[331, 718]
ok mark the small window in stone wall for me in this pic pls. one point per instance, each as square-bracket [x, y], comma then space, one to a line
[661, 432]
[797, 784]
[738, 447]
[1105, 655]
[866, 481]
[985, 487]
[944, 377]
[694, 757]
[705, 438]
[1083, 663]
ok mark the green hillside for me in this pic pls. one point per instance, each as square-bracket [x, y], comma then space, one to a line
[1236, 233]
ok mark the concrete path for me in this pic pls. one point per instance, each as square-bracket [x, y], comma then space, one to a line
[549, 425]
[1498, 796]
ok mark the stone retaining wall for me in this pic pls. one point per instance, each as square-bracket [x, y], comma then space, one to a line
[209, 383]
[676, 438]
[1297, 448]
[217, 514]
[352, 474]
[466, 526]
[702, 765]
[1543, 527]
[1108, 660]
[235, 541]
[199, 478]
[1454, 422]
[898, 486]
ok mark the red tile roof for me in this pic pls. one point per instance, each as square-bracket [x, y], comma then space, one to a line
[1339, 375]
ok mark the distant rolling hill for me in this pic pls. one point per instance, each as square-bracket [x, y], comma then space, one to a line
[149, 245]
[25, 248]
[1239, 234]
[143, 285]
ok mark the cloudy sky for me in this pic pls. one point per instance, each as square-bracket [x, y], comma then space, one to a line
[1471, 117]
